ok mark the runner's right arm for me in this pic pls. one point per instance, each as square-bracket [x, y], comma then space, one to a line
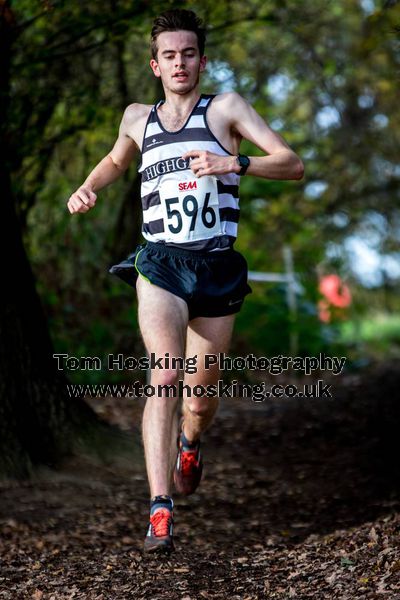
[109, 168]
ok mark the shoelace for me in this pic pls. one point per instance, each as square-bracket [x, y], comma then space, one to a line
[161, 521]
[189, 460]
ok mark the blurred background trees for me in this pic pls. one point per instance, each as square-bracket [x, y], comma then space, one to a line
[324, 75]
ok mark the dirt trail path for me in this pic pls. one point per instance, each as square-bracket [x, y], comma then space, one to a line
[299, 500]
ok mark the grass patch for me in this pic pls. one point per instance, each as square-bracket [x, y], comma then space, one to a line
[378, 333]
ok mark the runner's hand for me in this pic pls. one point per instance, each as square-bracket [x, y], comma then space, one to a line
[207, 163]
[82, 200]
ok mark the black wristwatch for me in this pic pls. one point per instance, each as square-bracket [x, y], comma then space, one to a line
[243, 162]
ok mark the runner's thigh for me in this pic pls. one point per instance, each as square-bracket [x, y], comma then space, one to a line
[163, 319]
[207, 335]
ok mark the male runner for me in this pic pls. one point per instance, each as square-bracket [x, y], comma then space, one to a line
[190, 281]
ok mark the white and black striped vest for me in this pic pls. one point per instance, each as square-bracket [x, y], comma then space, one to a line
[180, 209]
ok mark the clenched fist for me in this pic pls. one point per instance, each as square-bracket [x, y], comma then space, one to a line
[82, 200]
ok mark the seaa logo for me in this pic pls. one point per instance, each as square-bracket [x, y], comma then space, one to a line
[187, 185]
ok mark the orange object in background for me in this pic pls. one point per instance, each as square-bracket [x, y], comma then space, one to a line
[336, 294]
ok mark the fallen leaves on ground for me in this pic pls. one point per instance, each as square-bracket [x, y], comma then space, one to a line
[300, 499]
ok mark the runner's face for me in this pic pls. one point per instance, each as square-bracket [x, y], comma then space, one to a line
[178, 61]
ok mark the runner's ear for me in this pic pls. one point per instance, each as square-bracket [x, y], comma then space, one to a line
[155, 68]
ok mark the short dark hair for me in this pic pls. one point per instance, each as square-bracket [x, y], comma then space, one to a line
[176, 20]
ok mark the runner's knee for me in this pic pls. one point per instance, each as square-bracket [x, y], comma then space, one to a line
[165, 377]
[201, 407]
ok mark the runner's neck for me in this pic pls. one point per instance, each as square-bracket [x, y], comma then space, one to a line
[174, 118]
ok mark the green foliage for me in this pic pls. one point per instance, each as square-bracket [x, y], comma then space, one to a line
[379, 334]
[276, 329]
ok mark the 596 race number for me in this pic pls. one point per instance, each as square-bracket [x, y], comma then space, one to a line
[191, 216]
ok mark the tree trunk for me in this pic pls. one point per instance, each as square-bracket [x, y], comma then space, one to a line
[39, 423]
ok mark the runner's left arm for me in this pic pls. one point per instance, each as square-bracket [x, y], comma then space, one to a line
[280, 162]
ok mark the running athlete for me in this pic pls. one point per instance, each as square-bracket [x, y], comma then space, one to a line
[190, 281]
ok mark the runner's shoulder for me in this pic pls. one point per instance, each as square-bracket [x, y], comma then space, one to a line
[229, 103]
[135, 112]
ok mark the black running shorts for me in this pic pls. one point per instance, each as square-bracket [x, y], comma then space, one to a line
[213, 284]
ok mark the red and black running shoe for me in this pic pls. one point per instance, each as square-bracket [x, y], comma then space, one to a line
[189, 465]
[159, 538]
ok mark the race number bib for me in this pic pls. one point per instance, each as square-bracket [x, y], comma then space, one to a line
[191, 209]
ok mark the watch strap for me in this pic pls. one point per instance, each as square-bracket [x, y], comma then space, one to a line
[244, 163]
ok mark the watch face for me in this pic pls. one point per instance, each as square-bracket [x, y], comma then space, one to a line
[244, 161]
